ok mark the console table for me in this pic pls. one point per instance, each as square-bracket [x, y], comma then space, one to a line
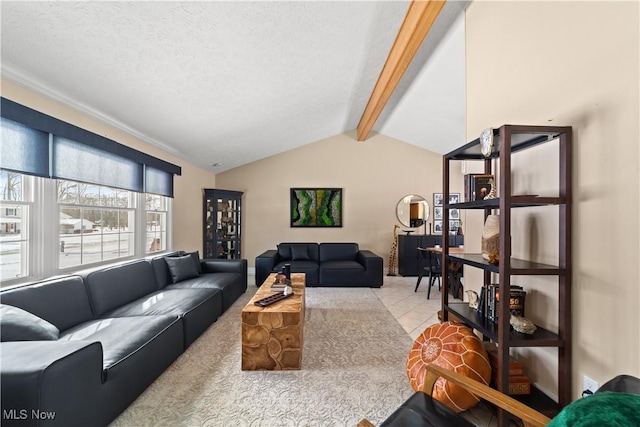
[408, 249]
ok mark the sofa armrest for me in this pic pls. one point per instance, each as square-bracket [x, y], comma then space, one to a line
[529, 416]
[373, 266]
[369, 260]
[264, 265]
[59, 380]
[224, 265]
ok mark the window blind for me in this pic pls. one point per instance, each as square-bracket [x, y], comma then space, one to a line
[77, 154]
[23, 149]
[157, 182]
[78, 162]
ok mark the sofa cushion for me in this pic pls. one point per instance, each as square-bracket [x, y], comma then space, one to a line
[120, 337]
[299, 253]
[338, 252]
[342, 265]
[19, 325]
[343, 273]
[63, 302]
[284, 252]
[182, 268]
[196, 258]
[310, 268]
[230, 284]
[167, 301]
[198, 308]
[118, 285]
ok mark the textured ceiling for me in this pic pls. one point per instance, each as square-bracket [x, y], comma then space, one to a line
[235, 82]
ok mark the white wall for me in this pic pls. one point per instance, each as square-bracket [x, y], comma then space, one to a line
[374, 175]
[575, 64]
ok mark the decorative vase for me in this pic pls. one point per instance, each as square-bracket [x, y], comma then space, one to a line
[491, 237]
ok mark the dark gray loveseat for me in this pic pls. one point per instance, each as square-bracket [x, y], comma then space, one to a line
[77, 350]
[325, 264]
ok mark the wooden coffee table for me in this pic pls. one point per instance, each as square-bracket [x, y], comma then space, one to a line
[272, 335]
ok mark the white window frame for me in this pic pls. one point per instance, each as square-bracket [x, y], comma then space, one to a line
[26, 228]
[44, 228]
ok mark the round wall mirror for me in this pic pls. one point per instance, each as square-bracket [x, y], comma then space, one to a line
[412, 211]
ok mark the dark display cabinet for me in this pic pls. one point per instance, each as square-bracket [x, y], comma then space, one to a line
[222, 224]
[495, 148]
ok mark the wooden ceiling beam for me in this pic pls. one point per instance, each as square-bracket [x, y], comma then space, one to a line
[419, 19]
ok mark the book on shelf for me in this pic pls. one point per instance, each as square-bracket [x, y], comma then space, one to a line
[516, 368]
[517, 385]
[476, 186]
[517, 296]
[519, 382]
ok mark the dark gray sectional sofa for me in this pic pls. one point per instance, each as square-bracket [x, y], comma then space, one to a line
[325, 264]
[77, 350]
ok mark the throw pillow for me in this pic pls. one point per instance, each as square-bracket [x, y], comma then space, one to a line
[299, 253]
[453, 346]
[181, 268]
[196, 258]
[284, 252]
[606, 408]
[17, 324]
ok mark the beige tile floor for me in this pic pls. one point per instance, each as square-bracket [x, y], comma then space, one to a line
[415, 313]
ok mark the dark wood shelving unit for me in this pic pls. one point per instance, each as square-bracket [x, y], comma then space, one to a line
[511, 139]
[221, 223]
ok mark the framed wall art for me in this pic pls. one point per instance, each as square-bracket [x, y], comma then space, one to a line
[437, 212]
[316, 207]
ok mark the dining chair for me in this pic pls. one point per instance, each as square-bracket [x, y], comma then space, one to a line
[428, 263]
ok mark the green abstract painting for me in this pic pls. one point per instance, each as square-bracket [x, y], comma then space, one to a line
[316, 207]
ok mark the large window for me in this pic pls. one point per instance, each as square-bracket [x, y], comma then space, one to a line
[43, 234]
[14, 226]
[97, 223]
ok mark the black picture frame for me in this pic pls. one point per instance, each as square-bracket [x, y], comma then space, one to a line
[437, 212]
[315, 207]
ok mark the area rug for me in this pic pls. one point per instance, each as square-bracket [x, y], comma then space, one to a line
[353, 366]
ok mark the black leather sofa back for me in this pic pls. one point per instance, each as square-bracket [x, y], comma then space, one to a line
[113, 287]
[297, 252]
[338, 252]
[62, 302]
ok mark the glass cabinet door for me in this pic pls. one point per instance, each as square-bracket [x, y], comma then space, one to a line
[222, 215]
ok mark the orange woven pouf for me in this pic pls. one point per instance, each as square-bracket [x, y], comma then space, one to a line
[453, 346]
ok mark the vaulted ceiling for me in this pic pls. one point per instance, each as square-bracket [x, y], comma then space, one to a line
[230, 83]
